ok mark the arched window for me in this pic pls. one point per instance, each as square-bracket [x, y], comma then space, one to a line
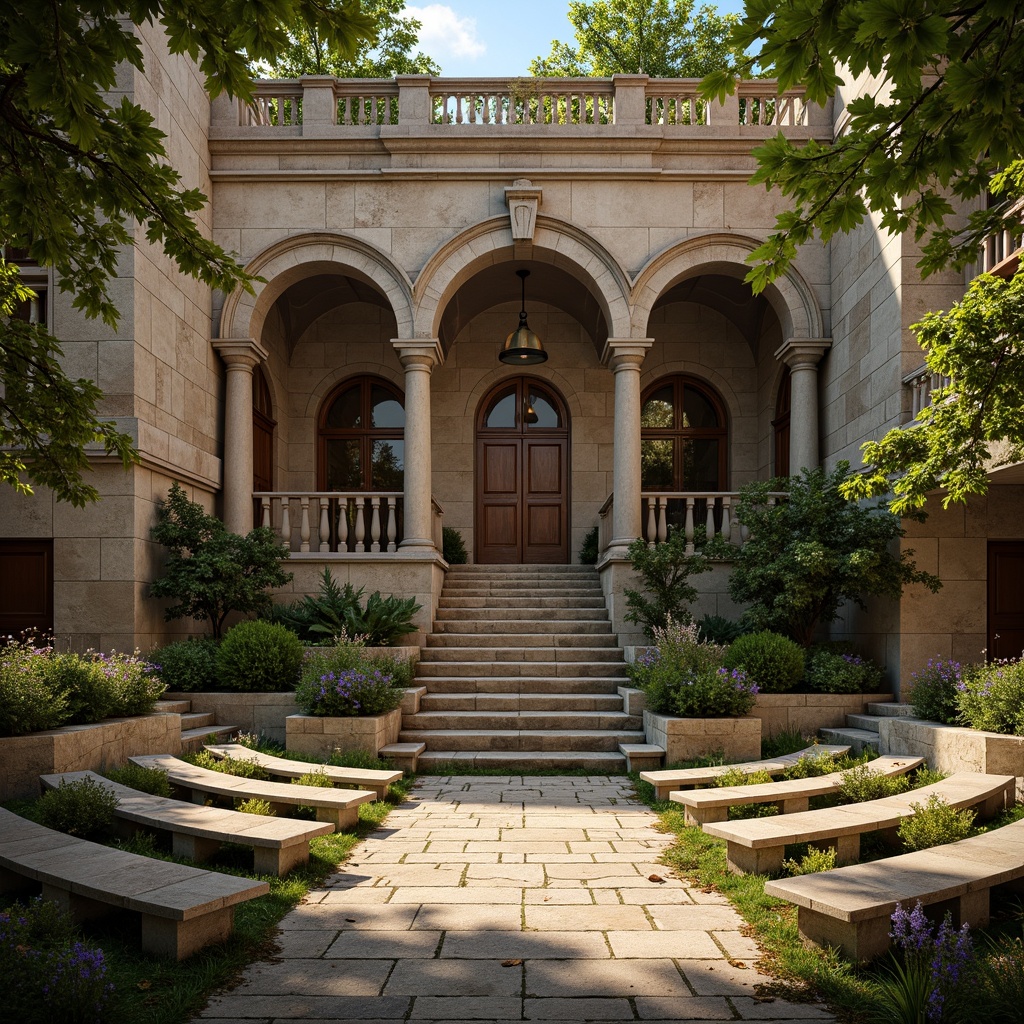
[361, 437]
[781, 425]
[683, 437]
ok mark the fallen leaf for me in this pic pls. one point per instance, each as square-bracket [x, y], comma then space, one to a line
[738, 964]
[511, 963]
[655, 878]
[143, 985]
[546, 898]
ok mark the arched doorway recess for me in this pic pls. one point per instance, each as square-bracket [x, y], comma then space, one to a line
[522, 474]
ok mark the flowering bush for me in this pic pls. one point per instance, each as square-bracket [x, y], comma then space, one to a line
[344, 681]
[934, 690]
[991, 697]
[682, 676]
[833, 672]
[48, 974]
[28, 700]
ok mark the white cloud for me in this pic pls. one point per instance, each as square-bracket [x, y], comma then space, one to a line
[446, 34]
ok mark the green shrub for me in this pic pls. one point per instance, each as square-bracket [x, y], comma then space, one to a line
[259, 657]
[774, 662]
[346, 692]
[865, 783]
[664, 571]
[28, 702]
[816, 859]
[735, 777]
[813, 767]
[682, 676]
[317, 777]
[384, 620]
[145, 780]
[934, 690]
[453, 546]
[255, 806]
[88, 694]
[935, 823]
[188, 665]
[320, 618]
[243, 767]
[717, 629]
[133, 683]
[79, 808]
[925, 776]
[835, 672]
[49, 975]
[588, 549]
[992, 697]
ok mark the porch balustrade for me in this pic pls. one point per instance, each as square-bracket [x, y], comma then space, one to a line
[701, 515]
[921, 383]
[338, 523]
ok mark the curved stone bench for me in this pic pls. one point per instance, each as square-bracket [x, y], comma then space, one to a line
[338, 806]
[183, 908]
[757, 845]
[791, 795]
[670, 779]
[278, 844]
[362, 778]
[851, 907]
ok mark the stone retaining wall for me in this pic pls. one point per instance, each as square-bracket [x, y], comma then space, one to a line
[739, 739]
[76, 748]
[806, 713]
[249, 712]
[324, 735]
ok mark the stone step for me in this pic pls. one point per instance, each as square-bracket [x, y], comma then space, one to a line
[503, 625]
[489, 654]
[197, 720]
[477, 684]
[561, 640]
[193, 740]
[172, 707]
[503, 592]
[597, 762]
[869, 723]
[516, 701]
[521, 740]
[858, 739]
[457, 571]
[475, 721]
[891, 710]
[446, 667]
[462, 603]
[526, 613]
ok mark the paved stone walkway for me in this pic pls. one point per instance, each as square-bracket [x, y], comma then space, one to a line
[501, 899]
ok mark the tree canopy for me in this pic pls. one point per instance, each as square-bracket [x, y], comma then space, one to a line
[660, 38]
[81, 166]
[390, 51]
[932, 140]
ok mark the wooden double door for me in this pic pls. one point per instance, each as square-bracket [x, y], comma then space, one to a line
[1005, 598]
[522, 475]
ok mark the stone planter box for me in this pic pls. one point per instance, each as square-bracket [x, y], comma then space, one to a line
[249, 712]
[806, 713]
[739, 739]
[75, 748]
[323, 735]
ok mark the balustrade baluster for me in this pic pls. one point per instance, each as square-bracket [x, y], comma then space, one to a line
[343, 523]
[726, 519]
[325, 524]
[709, 518]
[688, 526]
[662, 520]
[392, 523]
[286, 522]
[304, 523]
[265, 512]
[652, 529]
[360, 522]
[375, 523]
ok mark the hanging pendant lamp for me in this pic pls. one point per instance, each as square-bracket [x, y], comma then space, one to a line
[522, 347]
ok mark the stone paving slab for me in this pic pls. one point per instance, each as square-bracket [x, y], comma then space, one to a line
[509, 899]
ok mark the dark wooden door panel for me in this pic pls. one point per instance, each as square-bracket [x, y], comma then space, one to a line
[501, 469]
[544, 471]
[498, 497]
[26, 586]
[1005, 599]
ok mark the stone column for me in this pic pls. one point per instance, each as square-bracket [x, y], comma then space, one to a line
[624, 356]
[802, 356]
[241, 356]
[418, 357]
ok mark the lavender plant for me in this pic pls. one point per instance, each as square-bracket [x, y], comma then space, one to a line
[991, 697]
[934, 690]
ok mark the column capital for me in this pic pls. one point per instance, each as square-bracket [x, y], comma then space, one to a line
[244, 352]
[625, 353]
[419, 353]
[799, 353]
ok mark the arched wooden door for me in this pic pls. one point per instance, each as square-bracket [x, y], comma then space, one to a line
[522, 475]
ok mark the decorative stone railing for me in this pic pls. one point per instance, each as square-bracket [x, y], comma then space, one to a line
[315, 105]
[338, 523]
[1001, 252]
[921, 383]
[702, 515]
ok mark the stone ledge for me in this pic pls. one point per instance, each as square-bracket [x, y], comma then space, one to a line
[739, 739]
[324, 735]
[806, 713]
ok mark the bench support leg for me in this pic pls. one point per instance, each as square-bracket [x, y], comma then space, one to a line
[974, 908]
[699, 815]
[81, 908]
[847, 849]
[194, 847]
[341, 818]
[744, 861]
[859, 940]
[176, 940]
[794, 805]
[278, 861]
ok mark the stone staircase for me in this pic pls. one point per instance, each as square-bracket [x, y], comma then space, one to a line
[196, 727]
[861, 731]
[522, 669]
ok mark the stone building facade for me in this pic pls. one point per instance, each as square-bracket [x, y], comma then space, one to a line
[355, 400]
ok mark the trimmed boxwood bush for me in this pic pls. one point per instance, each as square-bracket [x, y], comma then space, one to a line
[259, 657]
[772, 661]
[188, 665]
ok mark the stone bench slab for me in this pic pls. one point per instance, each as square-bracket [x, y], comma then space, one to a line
[340, 807]
[670, 779]
[278, 844]
[183, 908]
[791, 795]
[641, 755]
[850, 907]
[371, 779]
[757, 845]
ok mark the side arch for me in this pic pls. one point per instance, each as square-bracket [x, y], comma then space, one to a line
[293, 259]
[790, 296]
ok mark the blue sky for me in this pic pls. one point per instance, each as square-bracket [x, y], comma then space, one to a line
[485, 38]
